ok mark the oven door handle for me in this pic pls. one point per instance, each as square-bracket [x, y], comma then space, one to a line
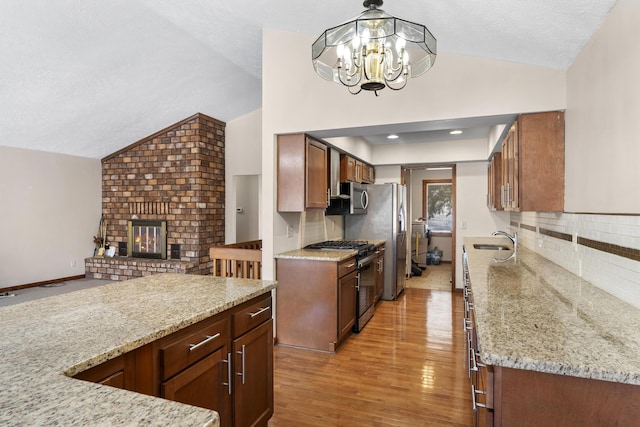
[366, 261]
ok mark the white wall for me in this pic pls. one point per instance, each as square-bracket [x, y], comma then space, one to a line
[356, 146]
[458, 86]
[431, 152]
[473, 218]
[602, 125]
[243, 156]
[50, 207]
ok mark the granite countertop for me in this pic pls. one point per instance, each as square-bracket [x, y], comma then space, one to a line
[323, 254]
[532, 314]
[45, 341]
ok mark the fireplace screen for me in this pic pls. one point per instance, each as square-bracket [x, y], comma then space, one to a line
[147, 239]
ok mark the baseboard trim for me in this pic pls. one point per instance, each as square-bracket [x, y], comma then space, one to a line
[46, 282]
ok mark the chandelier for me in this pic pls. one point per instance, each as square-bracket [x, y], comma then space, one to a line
[374, 51]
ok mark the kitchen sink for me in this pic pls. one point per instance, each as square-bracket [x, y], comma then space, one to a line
[491, 247]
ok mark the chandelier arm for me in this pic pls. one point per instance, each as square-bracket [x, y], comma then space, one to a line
[346, 83]
[391, 67]
[397, 88]
[354, 93]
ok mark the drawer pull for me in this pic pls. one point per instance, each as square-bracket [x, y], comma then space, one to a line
[208, 339]
[476, 405]
[260, 311]
[228, 362]
[350, 265]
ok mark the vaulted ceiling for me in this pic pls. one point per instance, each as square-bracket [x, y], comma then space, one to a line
[88, 77]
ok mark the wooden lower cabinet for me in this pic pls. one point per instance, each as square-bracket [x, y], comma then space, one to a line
[253, 391]
[118, 372]
[205, 384]
[346, 304]
[316, 302]
[224, 363]
[529, 398]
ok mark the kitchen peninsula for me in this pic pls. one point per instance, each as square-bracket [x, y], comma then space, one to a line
[45, 342]
[545, 346]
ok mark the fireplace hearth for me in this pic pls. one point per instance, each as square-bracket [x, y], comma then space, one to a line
[147, 239]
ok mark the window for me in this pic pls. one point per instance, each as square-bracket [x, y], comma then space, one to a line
[437, 206]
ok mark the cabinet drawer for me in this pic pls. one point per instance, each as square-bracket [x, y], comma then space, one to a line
[346, 267]
[192, 345]
[251, 316]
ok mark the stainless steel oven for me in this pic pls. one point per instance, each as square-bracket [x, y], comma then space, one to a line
[365, 302]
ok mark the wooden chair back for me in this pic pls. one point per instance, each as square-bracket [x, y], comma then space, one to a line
[236, 262]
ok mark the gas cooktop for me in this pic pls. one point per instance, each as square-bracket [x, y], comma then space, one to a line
[352, 245]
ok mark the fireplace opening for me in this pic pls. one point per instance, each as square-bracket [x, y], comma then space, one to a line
[147, 239]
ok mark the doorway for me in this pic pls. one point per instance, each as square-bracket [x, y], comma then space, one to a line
[247, 203]
[433, 224]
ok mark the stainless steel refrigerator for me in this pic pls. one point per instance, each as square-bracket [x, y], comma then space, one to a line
[385, 220]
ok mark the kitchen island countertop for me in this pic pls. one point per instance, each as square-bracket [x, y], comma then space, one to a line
[534, 315]
[45, 341]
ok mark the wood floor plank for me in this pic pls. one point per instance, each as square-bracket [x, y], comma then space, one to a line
[406, 368]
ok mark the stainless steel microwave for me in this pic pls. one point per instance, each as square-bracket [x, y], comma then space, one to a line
[352, 200]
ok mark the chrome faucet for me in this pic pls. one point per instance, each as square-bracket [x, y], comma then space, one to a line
[514, 238]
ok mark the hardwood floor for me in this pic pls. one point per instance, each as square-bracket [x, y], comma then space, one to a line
[406, 368]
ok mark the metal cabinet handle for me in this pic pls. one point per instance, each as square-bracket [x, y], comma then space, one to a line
[351, 265]
[466, 324]
[472, 360]
[328, 196]
[241, 373]
[208, 339]
[228, 362]
[260, 311]
[476, 405]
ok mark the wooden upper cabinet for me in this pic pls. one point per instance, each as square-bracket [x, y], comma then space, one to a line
[359, 167]
[494, 183]
[533, 163]
[347, 169]
[352, 170]
[302, 173]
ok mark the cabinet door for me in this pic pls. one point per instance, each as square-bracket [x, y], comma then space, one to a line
[316, 176]
[253, 391]
[346, 304]
[205, 384]
[509, 188]
[347, 169]
[540, 150]
[494, 197]
[302, 178]
[359, 171]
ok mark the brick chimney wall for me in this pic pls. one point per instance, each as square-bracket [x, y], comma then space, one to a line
[176, 175]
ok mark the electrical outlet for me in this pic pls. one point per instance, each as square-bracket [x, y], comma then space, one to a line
[73, 263]
[289, 230]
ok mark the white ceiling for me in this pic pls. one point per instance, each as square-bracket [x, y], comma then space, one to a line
[89, 77]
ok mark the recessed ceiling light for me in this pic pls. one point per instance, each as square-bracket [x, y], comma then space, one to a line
[455, 132]
[392, 136]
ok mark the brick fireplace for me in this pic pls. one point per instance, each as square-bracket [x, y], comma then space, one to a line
[174, 176]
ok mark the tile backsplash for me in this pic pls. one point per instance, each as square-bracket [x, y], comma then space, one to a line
[602, 249]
